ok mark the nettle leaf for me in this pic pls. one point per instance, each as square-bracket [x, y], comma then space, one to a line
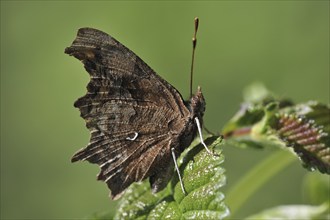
[306, 128]
[248, 126]
[265, 120]
[294, 212]
[202, 176]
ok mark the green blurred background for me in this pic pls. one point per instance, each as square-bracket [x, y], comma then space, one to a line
[284, 44]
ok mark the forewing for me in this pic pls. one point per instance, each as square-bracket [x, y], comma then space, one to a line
[113, 66]
[128, 109]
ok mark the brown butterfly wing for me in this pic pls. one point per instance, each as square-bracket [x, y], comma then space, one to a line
[134, 116]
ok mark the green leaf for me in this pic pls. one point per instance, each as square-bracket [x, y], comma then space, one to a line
[203, 178]
[266, 121]
[306, 128]
[294, 212]
[257, 93]
[255, 116]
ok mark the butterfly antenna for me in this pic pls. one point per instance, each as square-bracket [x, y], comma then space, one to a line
[194, 41]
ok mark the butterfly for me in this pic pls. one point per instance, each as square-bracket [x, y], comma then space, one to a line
[137, 120]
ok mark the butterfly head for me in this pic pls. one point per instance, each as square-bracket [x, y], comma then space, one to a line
[197, 104]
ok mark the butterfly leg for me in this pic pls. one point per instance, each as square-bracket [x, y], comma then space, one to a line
[178, 171]
[201, 136]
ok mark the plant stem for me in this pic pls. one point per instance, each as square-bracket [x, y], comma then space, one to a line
[256, 177]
